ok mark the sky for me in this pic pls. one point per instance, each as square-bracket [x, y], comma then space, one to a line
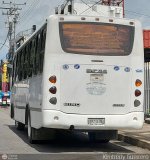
[36, 12]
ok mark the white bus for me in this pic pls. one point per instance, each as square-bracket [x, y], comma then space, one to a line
[81, 73]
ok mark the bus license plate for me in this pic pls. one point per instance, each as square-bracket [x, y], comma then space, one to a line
[96, 121]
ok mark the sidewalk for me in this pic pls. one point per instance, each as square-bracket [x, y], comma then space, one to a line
[140, 138]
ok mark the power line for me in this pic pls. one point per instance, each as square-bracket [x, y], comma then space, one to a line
[31, 6]
[5, 45]
[90, 7]
[4, 42]
[12, 13]
[29, 11]
[24, 17]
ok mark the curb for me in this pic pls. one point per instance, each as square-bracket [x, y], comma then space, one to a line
[134, 141]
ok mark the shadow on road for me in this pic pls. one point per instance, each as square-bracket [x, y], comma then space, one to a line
[70, 142]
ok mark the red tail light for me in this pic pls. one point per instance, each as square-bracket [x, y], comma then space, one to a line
[137, 93]
[53, 90]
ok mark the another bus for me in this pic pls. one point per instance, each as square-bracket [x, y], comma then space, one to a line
[82, 73]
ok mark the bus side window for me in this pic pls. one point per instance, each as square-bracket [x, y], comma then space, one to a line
[30, 60]
[16, 68]
[22, 63]
[36, 54]
[14, 71]
[41, 41]
[33, 56]
[20, 66]
[40, 50]
[25, 63]
[18, 57]
[41, 56]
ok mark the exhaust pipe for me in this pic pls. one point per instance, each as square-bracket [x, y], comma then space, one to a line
[71, 128]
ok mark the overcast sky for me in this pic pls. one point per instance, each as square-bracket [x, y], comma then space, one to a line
[36, 11]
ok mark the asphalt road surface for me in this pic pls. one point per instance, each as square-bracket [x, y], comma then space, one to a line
[71, 146]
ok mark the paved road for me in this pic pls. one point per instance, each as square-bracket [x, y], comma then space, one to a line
[64, 147]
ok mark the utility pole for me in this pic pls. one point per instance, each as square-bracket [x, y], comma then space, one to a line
[12, 13]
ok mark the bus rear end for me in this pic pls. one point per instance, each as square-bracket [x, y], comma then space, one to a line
[97, 65]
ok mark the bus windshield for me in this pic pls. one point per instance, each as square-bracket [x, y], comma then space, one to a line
[96, 38]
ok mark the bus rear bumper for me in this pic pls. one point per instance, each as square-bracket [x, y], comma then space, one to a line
[60, 120]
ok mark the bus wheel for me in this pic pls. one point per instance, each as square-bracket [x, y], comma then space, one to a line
[31, 131]
[19, 125]
[12, 111]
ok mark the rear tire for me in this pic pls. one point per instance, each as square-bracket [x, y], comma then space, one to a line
[31, 131]
[38, 135]
[20, 126]
[12, 111]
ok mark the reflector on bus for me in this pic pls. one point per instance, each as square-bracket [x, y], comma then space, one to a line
[53, 90]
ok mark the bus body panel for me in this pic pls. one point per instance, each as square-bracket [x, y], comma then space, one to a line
[133, 120]
[19, 99]
[35, 90]
[72, 84]
[94, 90]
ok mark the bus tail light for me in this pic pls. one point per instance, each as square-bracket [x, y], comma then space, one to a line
[137, 93]
[53, 79]
[53, 100]
[137, 103]
[53, 90]
[138, 83]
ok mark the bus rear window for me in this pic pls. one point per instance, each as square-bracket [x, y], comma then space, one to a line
[96, 38]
